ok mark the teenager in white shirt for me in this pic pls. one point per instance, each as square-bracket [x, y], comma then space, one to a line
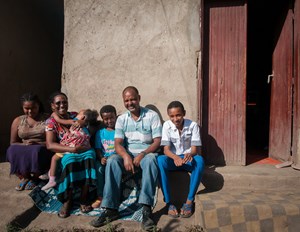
[182, 142]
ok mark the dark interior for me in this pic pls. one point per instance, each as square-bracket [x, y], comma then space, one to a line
[264, 23]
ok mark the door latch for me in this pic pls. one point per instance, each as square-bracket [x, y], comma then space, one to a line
[269, 78]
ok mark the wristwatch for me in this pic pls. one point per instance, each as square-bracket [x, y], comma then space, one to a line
[143, 152]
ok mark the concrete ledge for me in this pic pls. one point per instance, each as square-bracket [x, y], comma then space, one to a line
[253, 177]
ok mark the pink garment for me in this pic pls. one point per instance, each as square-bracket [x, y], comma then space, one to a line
[75, 137]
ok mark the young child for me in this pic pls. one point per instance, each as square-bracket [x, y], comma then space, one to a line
[105, 146]
[77, 136]
[181, 141]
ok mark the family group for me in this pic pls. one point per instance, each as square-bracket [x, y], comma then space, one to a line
[78, 151]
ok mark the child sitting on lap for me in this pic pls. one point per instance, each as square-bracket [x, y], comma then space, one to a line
[76, 136]
[105, 146]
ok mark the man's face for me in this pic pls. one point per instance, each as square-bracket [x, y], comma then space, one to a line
[131, 101]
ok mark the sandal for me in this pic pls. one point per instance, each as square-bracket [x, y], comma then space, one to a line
[30, 185]
[97, 203]
[22, 185]
[85, 208]
[172, 211]
[186, 210]
[64, 211]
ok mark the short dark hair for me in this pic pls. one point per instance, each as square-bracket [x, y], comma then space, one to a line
[176, 104]
[32, 97]
[108, 109]
[130, 88]
[54, 94]
[91, 116]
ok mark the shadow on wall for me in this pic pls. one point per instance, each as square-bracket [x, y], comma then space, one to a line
[212, 153]
[32, 34]
[154, 108]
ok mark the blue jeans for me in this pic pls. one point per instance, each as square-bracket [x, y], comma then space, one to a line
[113, 175]
[196, 167]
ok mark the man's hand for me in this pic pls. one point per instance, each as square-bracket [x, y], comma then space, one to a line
[137, 159]
[128, 164]
[187, 158]
[178, 161]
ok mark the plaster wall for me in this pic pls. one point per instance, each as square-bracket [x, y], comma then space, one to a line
[111, 44]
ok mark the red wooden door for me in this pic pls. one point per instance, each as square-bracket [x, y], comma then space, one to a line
[281, 92]
[224, 81]
[296, 114]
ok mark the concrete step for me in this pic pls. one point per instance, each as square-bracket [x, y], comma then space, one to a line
[252, 177]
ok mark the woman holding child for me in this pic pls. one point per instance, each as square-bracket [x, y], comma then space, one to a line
[78, 166]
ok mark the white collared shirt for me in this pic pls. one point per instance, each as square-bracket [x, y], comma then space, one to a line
[181, 144]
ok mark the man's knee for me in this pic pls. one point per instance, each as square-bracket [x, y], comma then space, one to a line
[114, 160]
[149, 159]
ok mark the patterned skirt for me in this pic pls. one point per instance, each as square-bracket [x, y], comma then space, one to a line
[25, 159]
[75, 171]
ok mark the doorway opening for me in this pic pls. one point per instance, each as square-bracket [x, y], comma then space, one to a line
[264, 19]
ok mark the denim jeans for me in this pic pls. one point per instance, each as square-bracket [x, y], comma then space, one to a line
[196, 167]
[113, 176]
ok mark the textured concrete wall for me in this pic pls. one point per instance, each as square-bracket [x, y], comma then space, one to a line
[151, 44]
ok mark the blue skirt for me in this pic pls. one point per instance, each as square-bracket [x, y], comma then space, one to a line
[75, 171]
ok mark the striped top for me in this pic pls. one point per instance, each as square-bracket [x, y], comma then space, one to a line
[138, 135]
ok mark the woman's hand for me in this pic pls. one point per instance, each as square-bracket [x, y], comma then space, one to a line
[80, 149]
[29, 142]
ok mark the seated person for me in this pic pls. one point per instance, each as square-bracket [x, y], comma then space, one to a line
[78, 170]
[75, 137]
[27, 153]
[105, 146]
[181, 141]
[137, 139]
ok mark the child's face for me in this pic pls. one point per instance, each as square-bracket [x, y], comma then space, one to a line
[176, 116]
[81, 115]
[109, 119]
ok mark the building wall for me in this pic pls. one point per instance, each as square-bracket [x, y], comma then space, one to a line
[31, 44]
[111, 44]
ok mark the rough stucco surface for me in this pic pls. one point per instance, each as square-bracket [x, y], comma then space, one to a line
[110, 44]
